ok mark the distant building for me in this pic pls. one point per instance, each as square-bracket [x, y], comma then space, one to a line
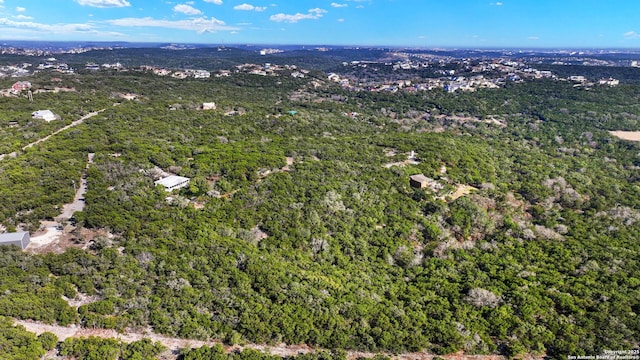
[609, 81]
[45, 115]
[128, 96]
[20, 85]
[209, 106]
[173, 182]
[333, 77]
[20, 239]
[92, 66]
[421, 182]
[546, 74]
[180, 75]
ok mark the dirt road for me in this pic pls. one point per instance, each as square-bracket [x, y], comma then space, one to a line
[75, 123]
[282, 350]
[78, 201]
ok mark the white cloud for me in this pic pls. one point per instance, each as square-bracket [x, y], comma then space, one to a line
[217, 2]
[340, 20]
[313, 14]
[631, 35]
[533, 38]
[55, 28]
[498, 3]
[336, 5]
[104, 3]
[20, 9]
[22, 17]
[34, 28]
[244, 6]
[318, 11]
[249, 7]
[186, 9]
[200, 25]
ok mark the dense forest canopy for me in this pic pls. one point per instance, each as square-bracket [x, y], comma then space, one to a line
[299, 224]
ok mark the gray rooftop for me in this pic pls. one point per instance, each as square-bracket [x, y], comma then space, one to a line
[16, 236]
[21, 239]
[420, 178]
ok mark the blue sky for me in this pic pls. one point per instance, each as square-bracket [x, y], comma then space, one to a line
[423, 23]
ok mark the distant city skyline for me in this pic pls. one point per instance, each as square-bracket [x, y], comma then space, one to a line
[416, 23]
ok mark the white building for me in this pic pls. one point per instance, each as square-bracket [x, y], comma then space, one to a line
[209, 106]
[20, 239]
[610, 82]
[173, 182]
[201, 74]
[45, 115]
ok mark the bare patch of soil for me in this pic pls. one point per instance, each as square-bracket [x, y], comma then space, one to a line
[57, 241]
[461, 191]
[626, 135]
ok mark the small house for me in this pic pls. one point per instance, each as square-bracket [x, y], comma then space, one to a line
[419, 181]
[173, 182]
[20, 85]
[21, 239]
[45, 115]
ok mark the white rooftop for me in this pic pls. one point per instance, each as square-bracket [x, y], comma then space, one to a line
[45, 115]
[171, 181]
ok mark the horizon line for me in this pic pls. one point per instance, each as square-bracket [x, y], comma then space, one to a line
[317, 45]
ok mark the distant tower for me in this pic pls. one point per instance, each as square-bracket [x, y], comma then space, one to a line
[30, 95]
